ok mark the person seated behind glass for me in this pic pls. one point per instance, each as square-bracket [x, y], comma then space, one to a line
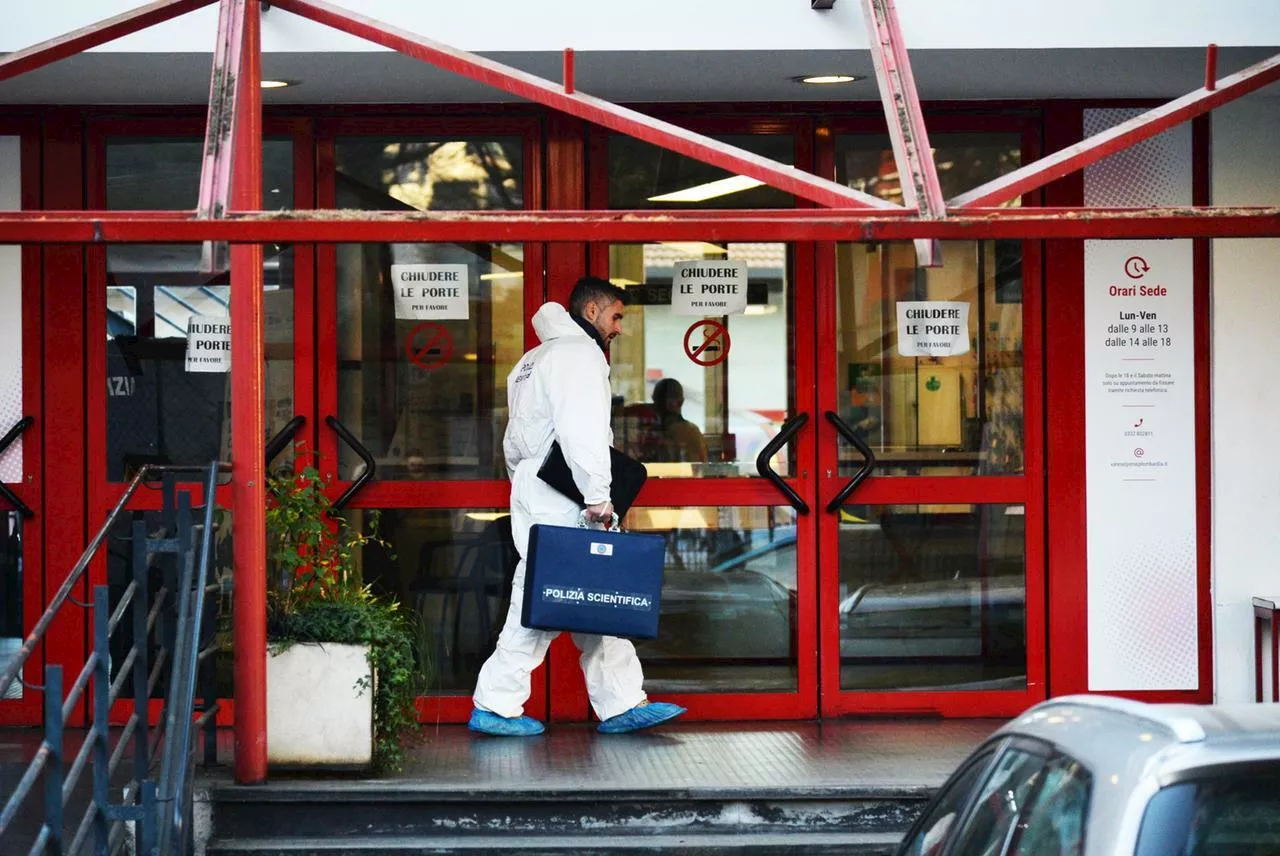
[682, 441]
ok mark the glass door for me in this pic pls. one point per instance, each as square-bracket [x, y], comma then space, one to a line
[717, 405]
[412, 389]
[930, 438]
[147, 402]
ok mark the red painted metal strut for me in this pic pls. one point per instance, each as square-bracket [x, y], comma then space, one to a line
[107, 227]
[706, 149]
[918, 175]
[220, 129]
[248, 426]
[93, 35]
[1149, 124]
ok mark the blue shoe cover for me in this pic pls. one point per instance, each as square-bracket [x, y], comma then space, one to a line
[503, 726]
[644, 715]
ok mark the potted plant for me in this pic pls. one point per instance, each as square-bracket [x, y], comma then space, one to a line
[341, 671]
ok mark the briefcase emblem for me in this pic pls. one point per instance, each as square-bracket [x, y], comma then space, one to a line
[599, 549]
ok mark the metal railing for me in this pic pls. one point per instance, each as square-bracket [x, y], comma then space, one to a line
[168, 609]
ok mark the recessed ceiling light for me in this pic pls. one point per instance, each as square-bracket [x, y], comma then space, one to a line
[819, 79]
[277, 84]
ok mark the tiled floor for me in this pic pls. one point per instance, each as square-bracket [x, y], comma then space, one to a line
[855, 754]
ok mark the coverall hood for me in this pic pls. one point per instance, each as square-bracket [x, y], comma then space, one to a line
[553, 321]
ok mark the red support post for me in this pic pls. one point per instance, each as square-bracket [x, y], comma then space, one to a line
[248, 426]
[921, 189]
[1149, 124]
[93, 35]
[539, 90]
[619, 226]
[1211, 68]
[568, 71]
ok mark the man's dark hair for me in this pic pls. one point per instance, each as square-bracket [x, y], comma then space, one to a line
[593, 289]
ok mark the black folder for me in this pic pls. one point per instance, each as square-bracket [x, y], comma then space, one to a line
[628, 477]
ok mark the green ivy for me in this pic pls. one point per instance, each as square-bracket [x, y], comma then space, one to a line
[315, 595]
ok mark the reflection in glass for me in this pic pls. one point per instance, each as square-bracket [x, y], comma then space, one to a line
[932, 596]
[158, 409]
[11, 629]
[642, 175]
[964, 161]
[453, 570]
[686, 419]
[728, 619]
[956, 414]
[428, 396]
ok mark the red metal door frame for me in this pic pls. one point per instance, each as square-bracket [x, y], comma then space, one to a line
[31, 490]
[492, 493]
[102, 494]
[1026, 489]
[802, 702]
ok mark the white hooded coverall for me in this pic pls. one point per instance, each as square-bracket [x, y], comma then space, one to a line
[558, 391]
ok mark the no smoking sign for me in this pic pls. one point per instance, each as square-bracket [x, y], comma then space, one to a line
[428, 346]
[707, 343]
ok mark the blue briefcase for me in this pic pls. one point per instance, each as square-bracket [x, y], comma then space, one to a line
[598, 581]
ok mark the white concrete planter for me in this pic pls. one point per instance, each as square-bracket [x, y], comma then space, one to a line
[316, 715]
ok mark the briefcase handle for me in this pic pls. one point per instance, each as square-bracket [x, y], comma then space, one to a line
[613, 526]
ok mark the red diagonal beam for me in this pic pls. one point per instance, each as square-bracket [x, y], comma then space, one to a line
[220, 128]
[911, 151]
[1149, 124]
[668, 136]
[328, 227]
[93, 35]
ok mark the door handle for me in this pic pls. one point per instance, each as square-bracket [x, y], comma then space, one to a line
[277, 443]
[370, 465]
[789, 429]
[5, 442]
[868, 464]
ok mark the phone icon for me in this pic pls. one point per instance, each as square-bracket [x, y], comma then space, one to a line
[1138, 424]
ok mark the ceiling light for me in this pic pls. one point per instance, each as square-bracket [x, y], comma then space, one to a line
[710, 190]
[505, 274]
[277, 84]
[695, 248]
[486, 516]
[820, 79]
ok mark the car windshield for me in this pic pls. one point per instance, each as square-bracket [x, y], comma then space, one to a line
[1237, 815]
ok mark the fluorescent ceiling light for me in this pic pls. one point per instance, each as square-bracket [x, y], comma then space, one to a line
[277, 84]
[486, 516]
[823, 79]
[710, 190]
[506, 274]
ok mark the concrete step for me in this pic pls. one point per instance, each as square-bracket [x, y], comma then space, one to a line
[709, 844]
[406, 811]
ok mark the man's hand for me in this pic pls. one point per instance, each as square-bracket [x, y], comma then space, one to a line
[600, 512]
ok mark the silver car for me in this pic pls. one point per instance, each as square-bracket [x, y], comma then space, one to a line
[1099, 775]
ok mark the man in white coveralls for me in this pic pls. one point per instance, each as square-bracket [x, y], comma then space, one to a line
[560, 391]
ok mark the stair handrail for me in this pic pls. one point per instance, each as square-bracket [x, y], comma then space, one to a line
[176, 773]
[14, 668]
[106, 819]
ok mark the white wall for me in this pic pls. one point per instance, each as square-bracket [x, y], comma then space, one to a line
[519, 25]
[1246, 391]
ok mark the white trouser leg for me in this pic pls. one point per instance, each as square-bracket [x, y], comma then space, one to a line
[503, 684]
[614, 676]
